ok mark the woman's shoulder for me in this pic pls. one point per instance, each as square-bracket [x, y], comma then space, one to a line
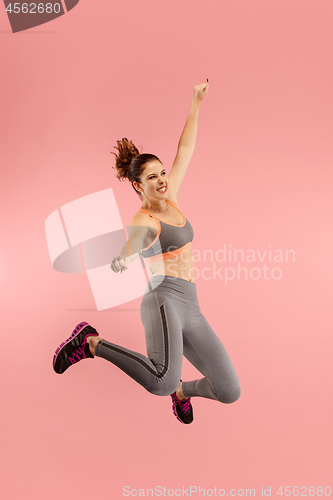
[143, 219]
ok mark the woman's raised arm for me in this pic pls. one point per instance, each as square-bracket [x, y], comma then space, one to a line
[188, 138]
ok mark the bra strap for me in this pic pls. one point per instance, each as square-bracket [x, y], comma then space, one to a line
[173, 205]
[150, 215]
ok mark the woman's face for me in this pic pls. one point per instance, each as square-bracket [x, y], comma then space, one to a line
[154, 182]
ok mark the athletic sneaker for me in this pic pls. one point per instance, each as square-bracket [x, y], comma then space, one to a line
[182, 409]
[74, 348]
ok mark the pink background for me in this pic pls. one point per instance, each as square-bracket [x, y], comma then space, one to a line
[261, 175]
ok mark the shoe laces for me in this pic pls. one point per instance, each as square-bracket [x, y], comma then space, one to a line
[184, 405]
[77, 355]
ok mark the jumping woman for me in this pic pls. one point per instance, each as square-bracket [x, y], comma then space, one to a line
[173, 322]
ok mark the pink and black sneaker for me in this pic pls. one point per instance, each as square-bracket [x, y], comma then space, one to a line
[182, 409]
[74, 348]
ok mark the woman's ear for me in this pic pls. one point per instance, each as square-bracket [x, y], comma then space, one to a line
[137, 186]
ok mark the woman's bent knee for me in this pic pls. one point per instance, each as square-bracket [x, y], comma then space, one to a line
[163, 388]
[231, 395]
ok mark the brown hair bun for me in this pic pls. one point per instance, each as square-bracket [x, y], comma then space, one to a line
[126, 152]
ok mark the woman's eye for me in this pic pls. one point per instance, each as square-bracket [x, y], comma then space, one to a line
[153, 176]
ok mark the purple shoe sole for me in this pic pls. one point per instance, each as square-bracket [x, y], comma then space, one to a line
[175, 412]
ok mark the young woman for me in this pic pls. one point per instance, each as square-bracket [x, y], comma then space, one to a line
[174, 325]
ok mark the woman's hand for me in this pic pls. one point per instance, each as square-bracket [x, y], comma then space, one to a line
[200, 91]
[119, 264]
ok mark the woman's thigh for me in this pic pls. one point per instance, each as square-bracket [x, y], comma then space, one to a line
[163, 333]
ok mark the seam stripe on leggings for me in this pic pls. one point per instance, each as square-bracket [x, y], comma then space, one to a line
[143, 363]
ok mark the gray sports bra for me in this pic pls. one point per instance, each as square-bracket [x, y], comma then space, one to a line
[171, 239]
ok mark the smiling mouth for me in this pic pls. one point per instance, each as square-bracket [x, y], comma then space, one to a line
[162, 189]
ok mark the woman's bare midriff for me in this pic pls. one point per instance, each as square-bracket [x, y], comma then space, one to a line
[179, 266]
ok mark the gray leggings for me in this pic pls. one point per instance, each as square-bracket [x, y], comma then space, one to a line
[174, 326]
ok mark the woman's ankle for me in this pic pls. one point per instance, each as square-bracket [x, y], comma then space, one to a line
[179, 392]
[93, 340]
